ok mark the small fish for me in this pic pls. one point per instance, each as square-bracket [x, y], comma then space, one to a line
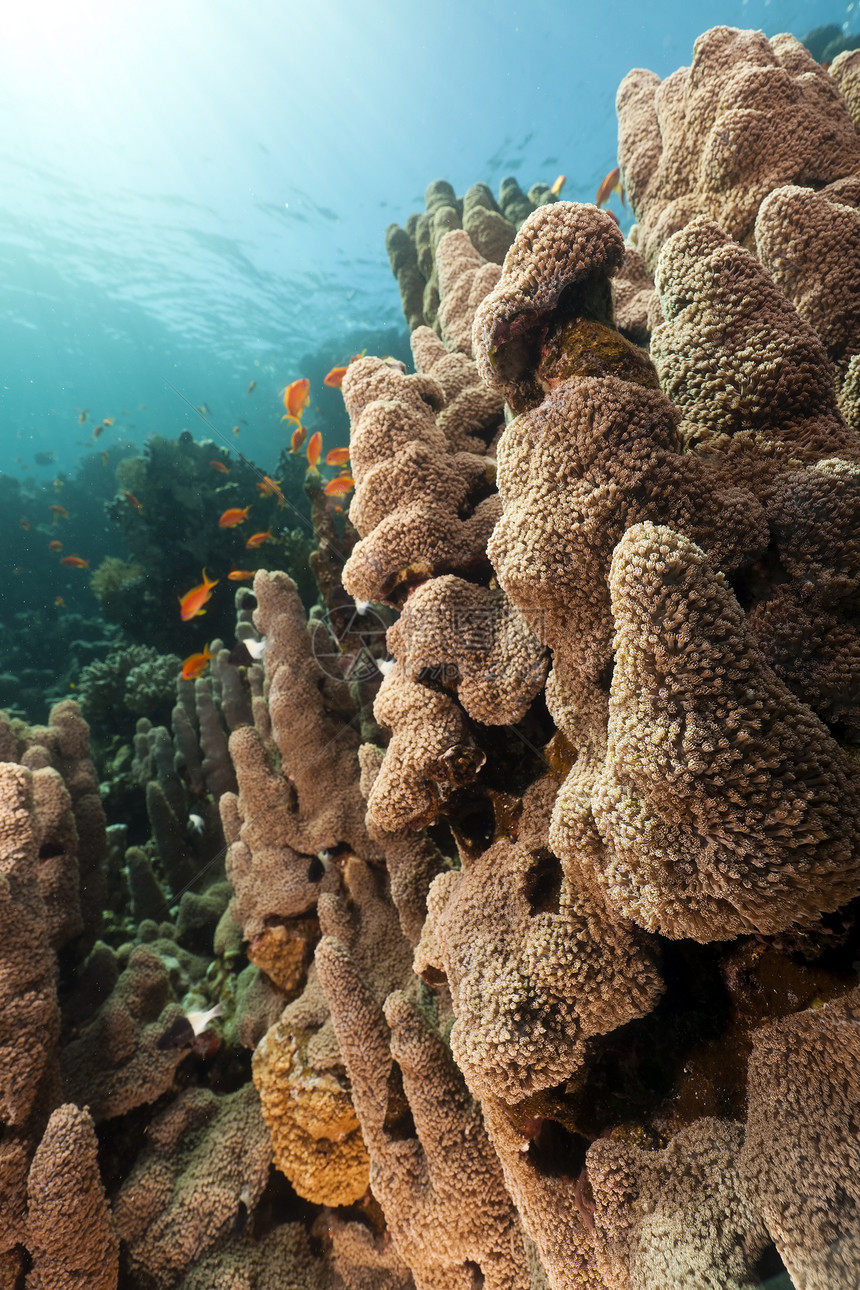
[60, 513]
[196, 824]
[296, 398]
[556, 188]
[339, 487]
[356, 356]
[314, 450]
[219, 465]
[82, 416]
[184, 1030]
[105, 458]
[334, 378]
[59, 602]
[55, 546]
[269, 488]
[255, 648]
[337, 456]
[200, 1020]
[316, 869]
[235, 516]
[235, 429]
[251, 387]
[75, 562]
[204, 409]
[98, 431]
[385, 665]
[133, 501]
[611, 184]
[297, 438]
[196, 664]
[25, 524]
[191, 604]
[107, 421]
[257, 539]
[241, 575]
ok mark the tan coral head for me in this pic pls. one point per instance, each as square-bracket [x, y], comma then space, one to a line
[558, 268]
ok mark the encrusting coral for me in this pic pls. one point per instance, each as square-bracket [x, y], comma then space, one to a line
[534, 963]
[206, 1161]
[677, 1217]
[801, 1157]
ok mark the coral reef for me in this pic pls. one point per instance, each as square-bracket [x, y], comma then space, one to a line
[489, 227]
[532, 961]
[748, 116]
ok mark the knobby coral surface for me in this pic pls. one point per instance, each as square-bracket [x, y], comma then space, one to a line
[747, 116]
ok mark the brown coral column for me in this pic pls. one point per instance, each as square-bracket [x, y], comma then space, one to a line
[70, 1234]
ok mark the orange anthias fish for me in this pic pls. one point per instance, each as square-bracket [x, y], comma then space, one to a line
[298, 438]
[339, 487]
[133, 501]
[314, 450]
[55, 546]
[334, 379]
[25, 524]
[556, 188]
[296, 398]
[269, 488]
[107, 421]
[241, 575]
[219, 465]
[195, 664]
[60, 512]
[191, 604]
[257, 539]
[611, 184]
[75, 562]
[59, 602]
[337, 457]
[236, 515]
[252, 385]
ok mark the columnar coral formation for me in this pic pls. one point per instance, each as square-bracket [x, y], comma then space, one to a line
[432, 1167]
[550, 968]
[488, 230]
[747, 116]
[70, 1234]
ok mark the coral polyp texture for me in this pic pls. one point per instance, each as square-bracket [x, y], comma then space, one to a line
[750, 114]
[527, 956]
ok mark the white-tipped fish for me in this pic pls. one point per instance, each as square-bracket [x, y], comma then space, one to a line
[196, 823]
[255, 648]
[362, 606]
[200, 1020]
[386, 665]
[182, 1032]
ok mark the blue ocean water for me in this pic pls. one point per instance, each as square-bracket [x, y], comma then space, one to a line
[198, 193]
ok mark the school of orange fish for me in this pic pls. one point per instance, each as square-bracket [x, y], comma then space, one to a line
[296, 398]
